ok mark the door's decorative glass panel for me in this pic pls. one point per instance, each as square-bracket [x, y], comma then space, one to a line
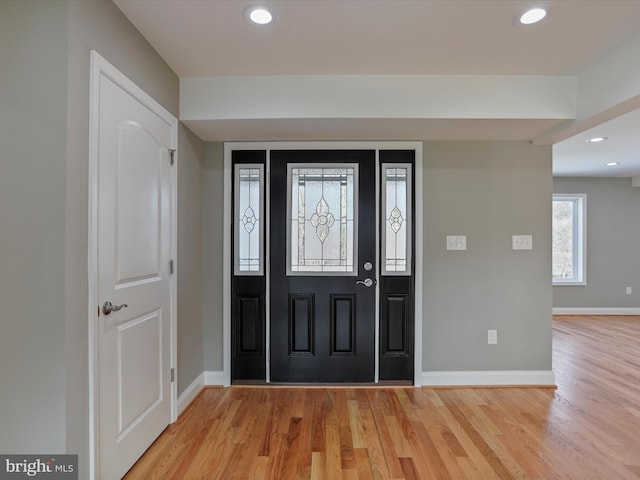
[249, 210]
[322, 219]
[396, 238]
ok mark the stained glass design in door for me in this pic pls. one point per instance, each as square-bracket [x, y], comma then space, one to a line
[396, 237]
[322, 225]
[249, 212]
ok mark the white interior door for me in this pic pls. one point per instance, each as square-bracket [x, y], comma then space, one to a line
[134, 247]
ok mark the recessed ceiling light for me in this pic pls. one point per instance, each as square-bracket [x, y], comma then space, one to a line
[533, 15]
[597, 139]
[612, 164]
[259, 15]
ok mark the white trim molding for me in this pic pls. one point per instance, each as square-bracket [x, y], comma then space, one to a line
[216, 378]
[489, 378]
[596, 311]
[205, 379]
[190, 393]
[578, 239]
[99, 68]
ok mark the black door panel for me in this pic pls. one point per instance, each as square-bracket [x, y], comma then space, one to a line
[322, 326]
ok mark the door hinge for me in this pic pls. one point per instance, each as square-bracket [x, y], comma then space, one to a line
[172, 152]
[173, 375]
[170, 267]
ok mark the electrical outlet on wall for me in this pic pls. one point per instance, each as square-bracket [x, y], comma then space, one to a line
[629, 290]
[492, 337]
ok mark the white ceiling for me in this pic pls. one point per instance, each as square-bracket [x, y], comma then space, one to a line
[312, 37]
[577, 157]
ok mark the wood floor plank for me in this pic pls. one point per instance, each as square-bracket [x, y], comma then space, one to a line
[363, 466]
[319, 419]
[587, 428]
[276, 457]
[382, 458]
[318, 466]
[357, 431]
[333, 469]
[477, 463]
[292, 448]
[426, 456]
[393, 442]
[258, 469]
[306, 436]
[409, 469]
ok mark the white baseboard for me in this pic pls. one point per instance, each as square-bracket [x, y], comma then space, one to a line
[190, 393]
[486, 378]
[429, 379]
[596, 311]
[214, 378]
[205, 379]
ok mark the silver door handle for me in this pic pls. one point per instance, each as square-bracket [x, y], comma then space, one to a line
[109, 307]
[367, 282]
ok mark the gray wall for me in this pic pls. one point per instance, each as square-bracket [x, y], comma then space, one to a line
[189, 262]
[613, 244]
[44, 121]
[213, 235]
[488, 191]
[94, 25]
[33, 131]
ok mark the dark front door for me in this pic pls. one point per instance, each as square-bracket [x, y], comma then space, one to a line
[322, 266]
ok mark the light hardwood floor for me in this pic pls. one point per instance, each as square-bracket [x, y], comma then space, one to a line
[587, 428]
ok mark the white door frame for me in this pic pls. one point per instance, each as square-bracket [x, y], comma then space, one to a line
[228, 261]
[101, 67]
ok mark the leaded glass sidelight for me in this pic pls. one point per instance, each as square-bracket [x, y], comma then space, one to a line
[396, 220]
[322, 228]
[249, 212]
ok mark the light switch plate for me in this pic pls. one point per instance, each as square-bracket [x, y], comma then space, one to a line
[456, 242]
[522, 242]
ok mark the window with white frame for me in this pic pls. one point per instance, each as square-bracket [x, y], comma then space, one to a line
[569, 239]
